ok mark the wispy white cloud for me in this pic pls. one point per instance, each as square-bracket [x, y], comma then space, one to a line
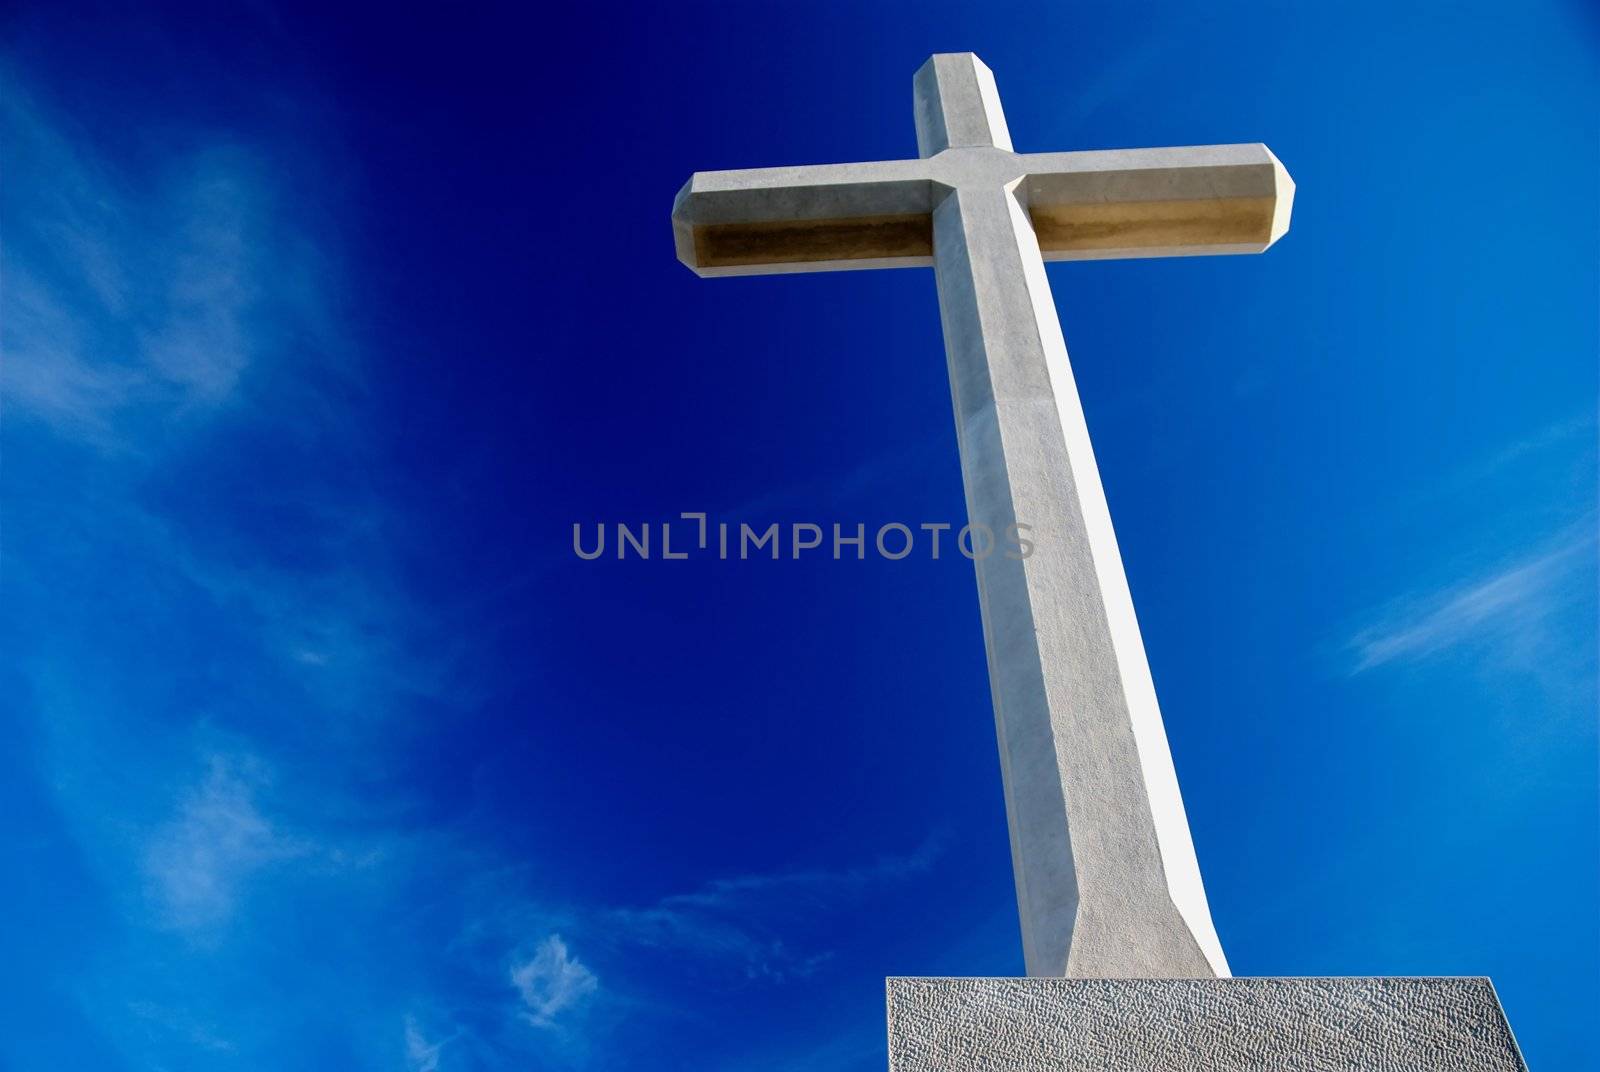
[201, 1036]
[218, 838]
[45, 372]
[164, 317]
[738, 919]
[597, 965]
[812, 883]
[201, 343]
[1557, 434]
[131, 302]
[422, 1055]
[551, 982]
[747, 945]
[1510, 604]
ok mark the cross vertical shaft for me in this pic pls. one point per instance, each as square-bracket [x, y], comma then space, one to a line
[1100, 848]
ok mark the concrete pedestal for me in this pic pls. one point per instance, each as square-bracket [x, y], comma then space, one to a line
[1199, 1025]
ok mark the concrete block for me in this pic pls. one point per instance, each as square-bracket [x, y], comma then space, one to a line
[1199, 1025]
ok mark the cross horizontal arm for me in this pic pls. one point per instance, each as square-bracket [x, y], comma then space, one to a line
[805, 219]
[1093, 205]
[1156, 202]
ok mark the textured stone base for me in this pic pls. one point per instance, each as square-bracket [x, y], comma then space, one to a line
[1199, 1025]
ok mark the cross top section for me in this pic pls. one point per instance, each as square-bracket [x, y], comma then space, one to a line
[958, 105]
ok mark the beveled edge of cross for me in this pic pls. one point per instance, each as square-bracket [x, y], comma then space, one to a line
[1098, 204]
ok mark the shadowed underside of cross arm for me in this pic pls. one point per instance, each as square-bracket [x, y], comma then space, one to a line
[806, 219]
[1083, 205]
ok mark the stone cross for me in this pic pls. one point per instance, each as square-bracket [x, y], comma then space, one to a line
[1106, 876]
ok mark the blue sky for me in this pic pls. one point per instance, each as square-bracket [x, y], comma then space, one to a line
[321, 330]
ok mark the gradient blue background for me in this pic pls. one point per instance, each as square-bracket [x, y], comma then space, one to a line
[321, 750]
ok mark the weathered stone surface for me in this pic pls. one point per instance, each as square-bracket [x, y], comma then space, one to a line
[1199, 1025]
